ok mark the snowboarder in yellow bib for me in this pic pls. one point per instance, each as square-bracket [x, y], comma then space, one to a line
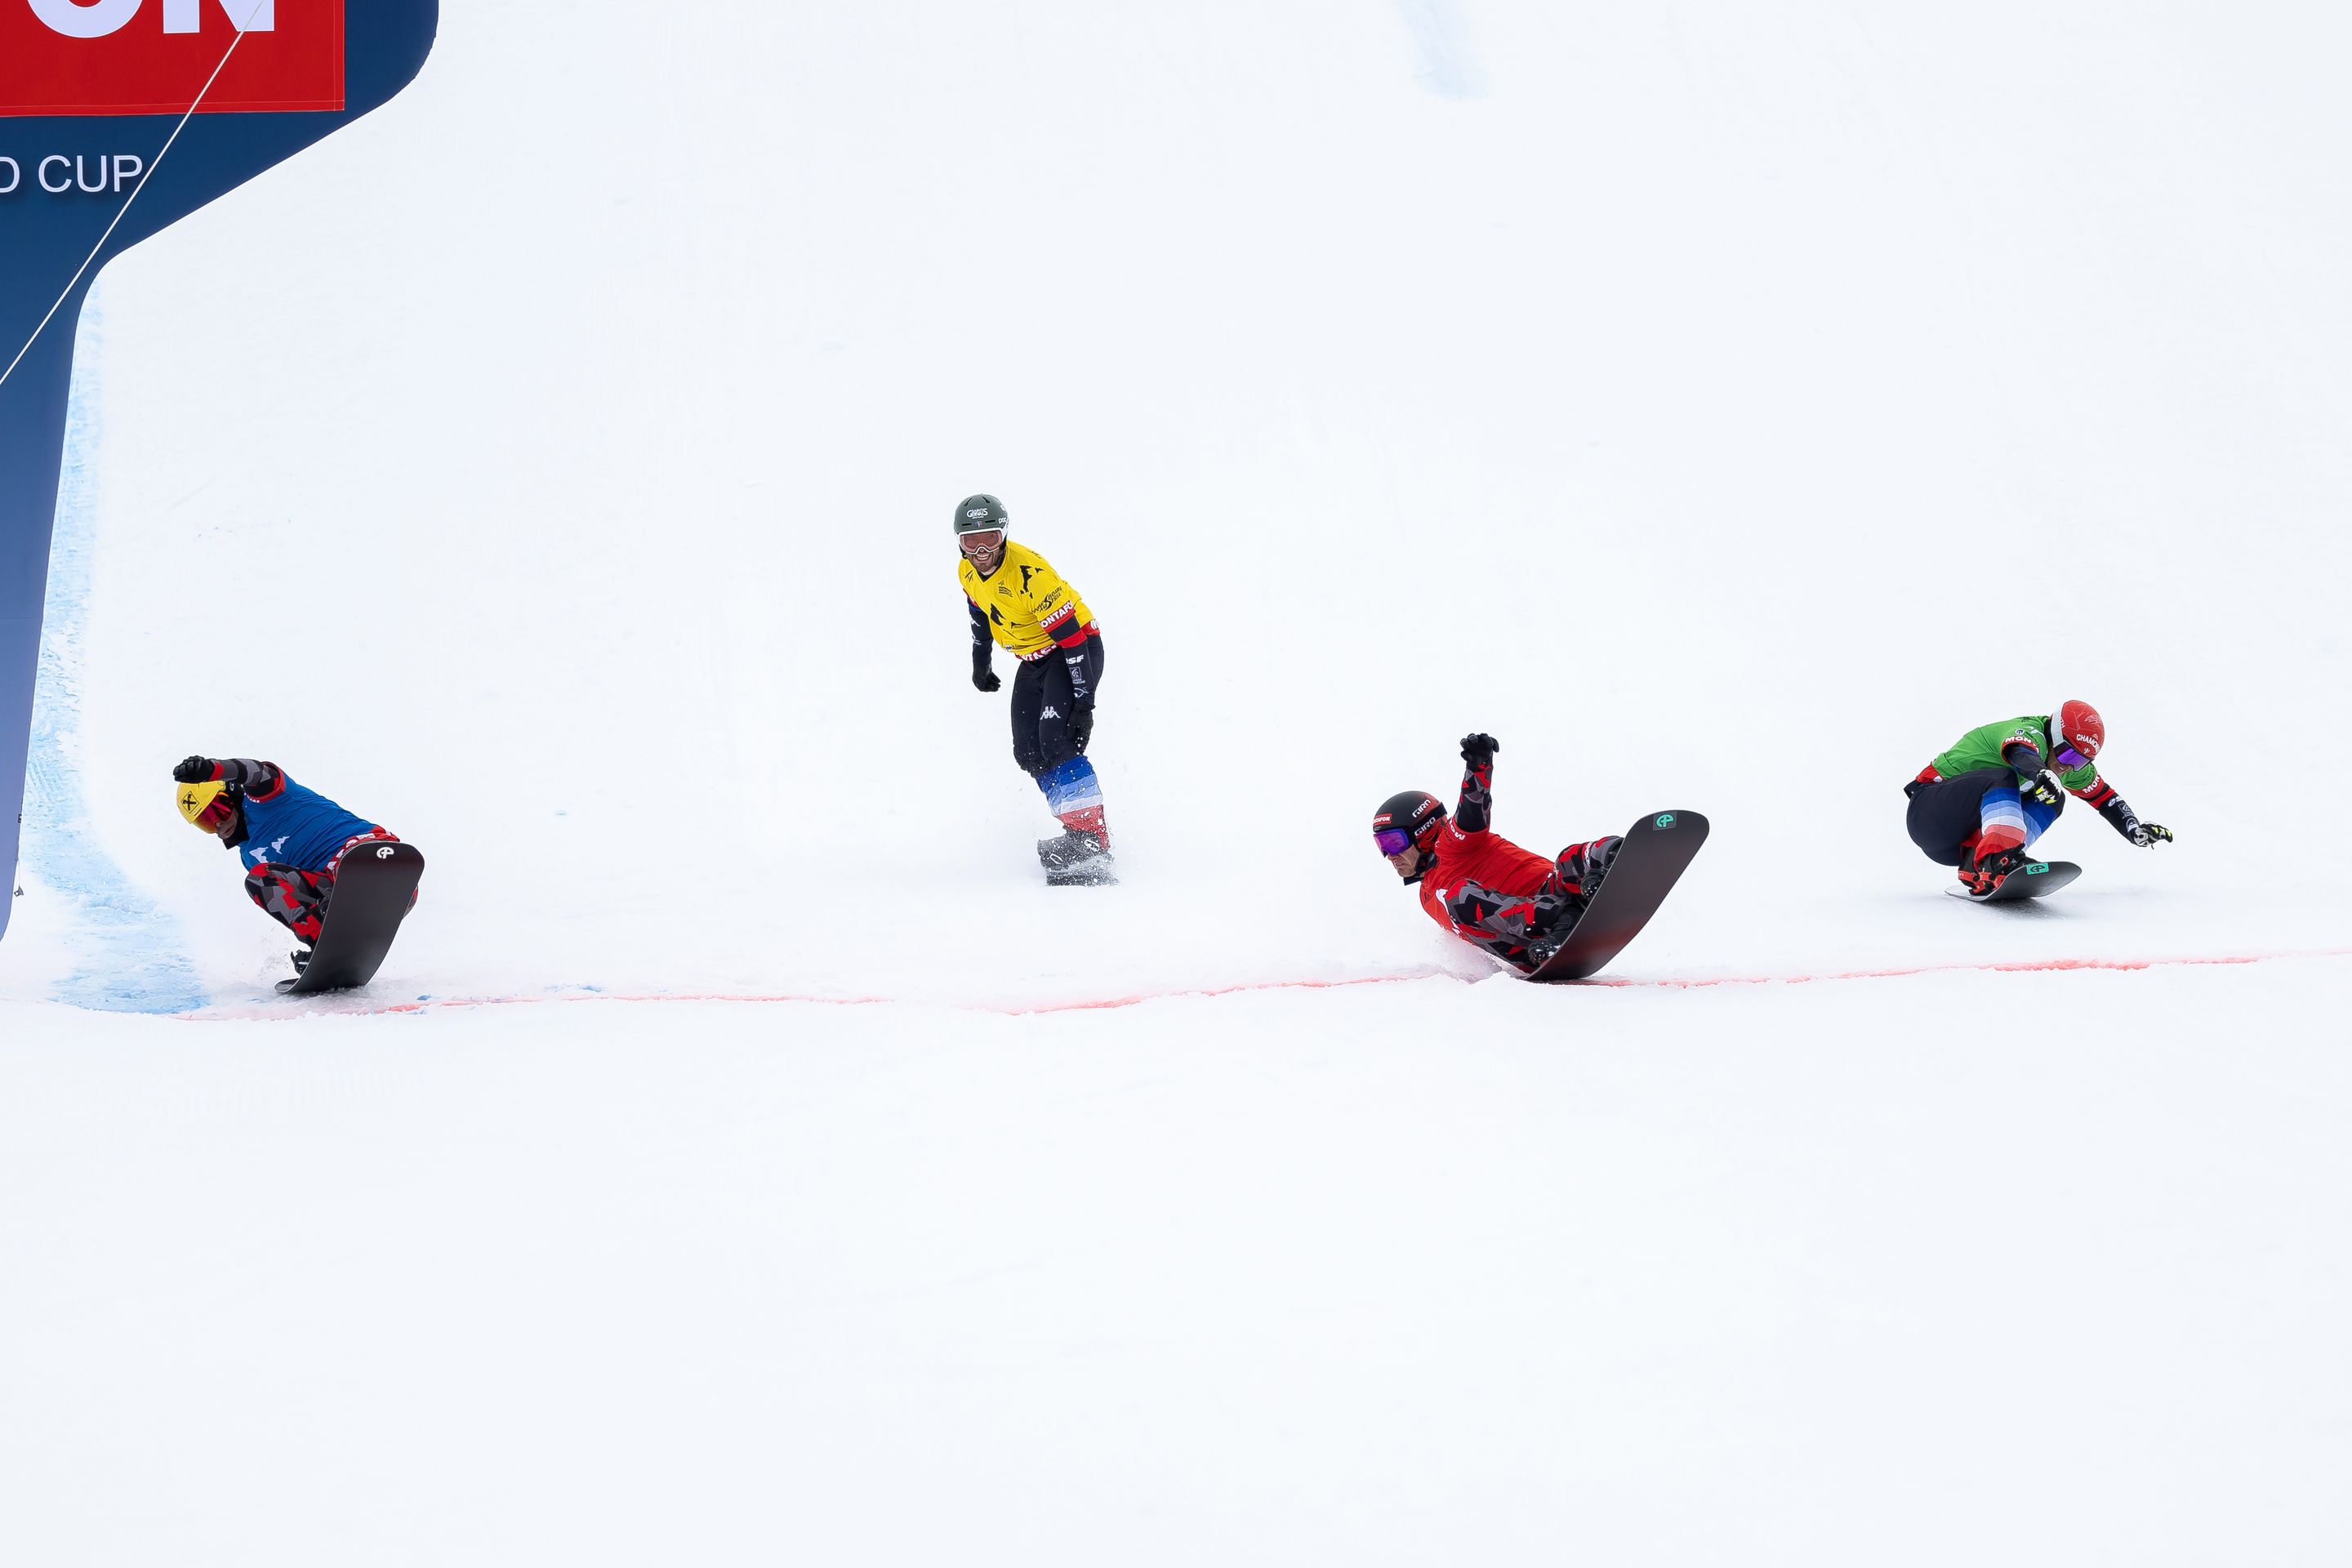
[1020, 603]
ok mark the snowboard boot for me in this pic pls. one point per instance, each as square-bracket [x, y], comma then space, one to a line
[1077, 859]
[1541, 950]
[1586, 865]
[1994, 870]
[1980, 877]
[1068, 848]
[1599, 855]
[302, 957]
[1968, 867]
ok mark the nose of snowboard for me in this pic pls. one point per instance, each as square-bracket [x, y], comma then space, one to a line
[1643, 871]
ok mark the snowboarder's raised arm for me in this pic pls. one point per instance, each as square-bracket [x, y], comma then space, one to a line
[1474, 812]
[261, 780]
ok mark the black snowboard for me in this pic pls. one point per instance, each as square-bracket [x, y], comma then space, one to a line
[1656, 850]
[2027, 882]
[363, 913]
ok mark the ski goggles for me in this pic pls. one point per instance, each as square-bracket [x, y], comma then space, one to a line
[2068, 758]
[1392, 840]
[206, 805]
[980, 541]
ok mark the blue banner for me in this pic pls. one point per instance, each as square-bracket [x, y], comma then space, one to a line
[83, 183]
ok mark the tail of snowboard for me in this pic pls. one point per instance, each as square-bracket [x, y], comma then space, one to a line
[372, 888]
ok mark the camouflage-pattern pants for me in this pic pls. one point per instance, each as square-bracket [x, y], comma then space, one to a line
[293, 896]
[1504, 923]
[297, 899]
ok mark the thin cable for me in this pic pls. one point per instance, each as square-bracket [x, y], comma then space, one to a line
[149, 173]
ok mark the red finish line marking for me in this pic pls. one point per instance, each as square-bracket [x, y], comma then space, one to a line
[1008, 1009]
[2020, 966]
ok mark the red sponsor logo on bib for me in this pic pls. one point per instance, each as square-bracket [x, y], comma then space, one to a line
[154, 57]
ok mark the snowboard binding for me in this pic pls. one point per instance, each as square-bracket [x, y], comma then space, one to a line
[2026, 879]
[1074, 860]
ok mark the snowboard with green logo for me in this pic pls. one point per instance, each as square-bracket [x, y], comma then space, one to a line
[1642, 874]
[2030, 881]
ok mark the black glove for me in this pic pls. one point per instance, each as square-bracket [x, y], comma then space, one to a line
[984, 678]
[1081, 724]
[1479, 751]
[1912, 788]
[2041, 790]
[2021, 757]
[192, 770]
[2144, 834]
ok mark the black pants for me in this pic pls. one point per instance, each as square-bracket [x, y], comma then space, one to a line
[1041, 707]
[1950, 810]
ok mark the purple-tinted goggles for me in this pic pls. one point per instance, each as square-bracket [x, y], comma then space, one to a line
[2070, 759]
[1392, 840]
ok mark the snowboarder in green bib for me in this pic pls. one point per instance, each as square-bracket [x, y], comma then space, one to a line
[1981, 804]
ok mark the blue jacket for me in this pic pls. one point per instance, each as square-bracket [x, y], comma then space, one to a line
[291, 825]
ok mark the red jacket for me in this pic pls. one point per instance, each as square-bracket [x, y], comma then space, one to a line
[1485, 857]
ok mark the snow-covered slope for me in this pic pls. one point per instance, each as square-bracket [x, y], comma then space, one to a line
[1726, 406]
[1725, 415]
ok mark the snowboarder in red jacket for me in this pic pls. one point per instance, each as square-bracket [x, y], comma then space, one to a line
[1477, 883]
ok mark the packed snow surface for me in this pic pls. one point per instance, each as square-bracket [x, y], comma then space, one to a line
[742, 1157]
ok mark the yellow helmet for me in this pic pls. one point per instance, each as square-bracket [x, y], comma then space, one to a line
[195, 799]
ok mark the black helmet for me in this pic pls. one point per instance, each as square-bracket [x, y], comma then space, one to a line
[978, 514]
[1413, 813]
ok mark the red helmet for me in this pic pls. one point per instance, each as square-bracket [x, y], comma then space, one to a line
[2078, 725]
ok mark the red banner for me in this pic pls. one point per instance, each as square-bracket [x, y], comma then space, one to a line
[153, 56]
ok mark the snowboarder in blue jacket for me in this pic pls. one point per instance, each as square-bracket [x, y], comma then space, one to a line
[292, 839]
